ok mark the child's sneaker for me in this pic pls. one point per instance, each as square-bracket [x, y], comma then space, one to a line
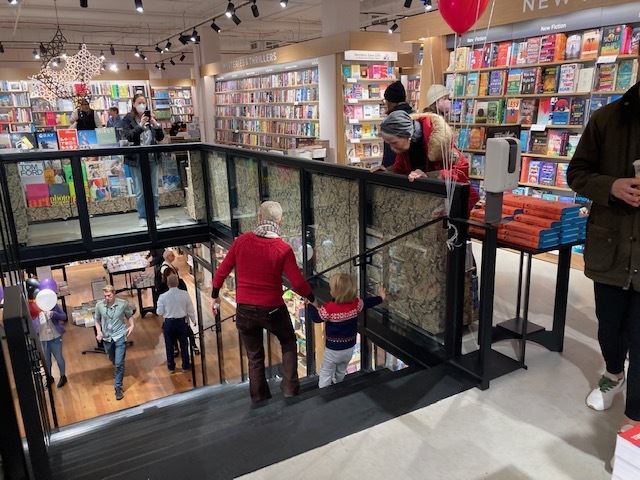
[601, 397]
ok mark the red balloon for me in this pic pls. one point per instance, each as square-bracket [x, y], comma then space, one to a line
[460, 15]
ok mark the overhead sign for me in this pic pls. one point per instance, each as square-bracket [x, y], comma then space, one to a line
[366, 56]
[252, 61]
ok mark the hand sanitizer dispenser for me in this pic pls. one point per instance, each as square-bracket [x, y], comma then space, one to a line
[501, 173]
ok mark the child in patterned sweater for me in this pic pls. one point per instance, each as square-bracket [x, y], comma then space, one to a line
[341, 316]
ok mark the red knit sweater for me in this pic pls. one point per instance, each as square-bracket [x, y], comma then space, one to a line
[259, 264]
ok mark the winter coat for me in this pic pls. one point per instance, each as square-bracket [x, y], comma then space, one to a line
[131, 131]
[428, 153]
[608, 146]
[389, 156]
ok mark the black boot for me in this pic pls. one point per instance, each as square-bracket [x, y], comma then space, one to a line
[63, 381]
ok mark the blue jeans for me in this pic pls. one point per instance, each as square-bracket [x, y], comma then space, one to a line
[116, 351]
[136, 176]
[53, 347]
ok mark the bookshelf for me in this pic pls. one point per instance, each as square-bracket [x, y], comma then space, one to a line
[542, 89]
[413, 92]
[363, 85]
[276, 111]
[15, 108]
[172, 104]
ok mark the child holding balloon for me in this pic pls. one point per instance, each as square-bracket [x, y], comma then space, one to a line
[47, 316]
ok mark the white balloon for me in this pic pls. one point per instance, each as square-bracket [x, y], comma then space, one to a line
[46, 299]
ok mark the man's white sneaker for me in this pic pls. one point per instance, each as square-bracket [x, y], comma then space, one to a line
[142, 222]
[601, 397]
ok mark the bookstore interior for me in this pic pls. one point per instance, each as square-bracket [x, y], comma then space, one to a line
[536, 74]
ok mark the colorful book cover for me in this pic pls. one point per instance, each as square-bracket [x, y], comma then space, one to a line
[503, 55]
[627, 73]
[37, 195]
[524, 169]
[496, 82]
[503, 131]
[550, 77]
[481, 112]
[5, 141]
[47, 140]
[547, 176]
[462, 58]
[472, 84]
[476, 59]
[544, 111]
[585, 79]
[525, 139]
[555, 140]
[572, 144]
[23, 140]
[462, 138]
[469, 111]
[611, 40]
[606, 78]
[533, 50]
[561, 45]
[477, 165]
[460, 84]
[531, 77]
[635, 41]
[455, 113]
[547, 48]
[522, 53]
[539, 143]
[68, 139]
[596, 102]
[560, 110]
[569, 73]
[118, 186]
[495, 111]
[534, 172]
[528, 111]
[99, 189]
[512, 113]
[59, 194]
[476, 138]
[491, 55]
[106, 136]
[514, 79]
[483, 84]
[590, 44]
[561, 175]
[578, 110]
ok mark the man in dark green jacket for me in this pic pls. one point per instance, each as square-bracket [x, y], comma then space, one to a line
[602, 170]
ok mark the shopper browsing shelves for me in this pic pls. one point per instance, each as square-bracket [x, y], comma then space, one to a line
[176, 307]
[602, 170]
[260, 258]
[112, 315]
[84, 118]
[140, 127]
[341, 317]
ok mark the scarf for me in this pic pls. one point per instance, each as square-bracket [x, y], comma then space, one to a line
[268, 229]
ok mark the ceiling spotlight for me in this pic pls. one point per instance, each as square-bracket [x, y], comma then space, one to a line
[136, 52]
[36, 55]
[139, 6]
[167, 47]
[43, 50]
[13, 2]
[54, 62]
[235, 19]
[407, 3]
[113, 67]
[393, 27]
[1, 48]
[143, 56]
[84, 3]
[231, 9]
[215, 26]
[182, 57]
[427, 5]
[64, 55]
[112, 50]
[128, 67]
[194, 36]
[101, 57]
[254, 9]
[172, 62]
[158, 49]
[183, 39]
[162, 67]
[157, 66]
[284, 3]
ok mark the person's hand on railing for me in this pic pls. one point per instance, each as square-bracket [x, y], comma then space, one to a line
[382, 292]
[215, 306]
[378, 168]
[314, 303]
[416, 174]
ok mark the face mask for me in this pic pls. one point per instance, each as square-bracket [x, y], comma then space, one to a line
[141, 107]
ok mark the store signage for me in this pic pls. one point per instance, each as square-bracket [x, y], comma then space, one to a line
[252, 61]
[543, 6]
[568, 22]
[366, 56]
[480, 37]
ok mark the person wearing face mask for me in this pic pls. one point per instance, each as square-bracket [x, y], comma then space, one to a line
[85, 118]
[139, 127]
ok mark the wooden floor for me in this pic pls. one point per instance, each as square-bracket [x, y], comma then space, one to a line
[90, 392]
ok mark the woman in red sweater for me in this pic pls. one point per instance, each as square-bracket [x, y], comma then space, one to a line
[260, 258]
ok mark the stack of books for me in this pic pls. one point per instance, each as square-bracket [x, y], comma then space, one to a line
[626, 464]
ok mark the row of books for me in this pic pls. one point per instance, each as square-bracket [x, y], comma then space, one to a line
[285, 79]
[545, 174]
[14, 99]
[69, 139]
[553, 143]
[566, 78]
[270, 126]
[372, 111]
[361, 151]
[536, 223]
[8, 115]
[552, 47]
[560, 111]
[307, 112]
[365, 130]
[626, 464]
[181, 102]
[364, 92]
[113, 90]
[307, 94]
[173, 93]
[375, 72]
[256, 140]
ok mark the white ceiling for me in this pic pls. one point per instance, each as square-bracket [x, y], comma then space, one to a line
[115, 22]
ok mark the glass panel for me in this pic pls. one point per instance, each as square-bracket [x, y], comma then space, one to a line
[282, 185]
[335, 231]
[182, 202]
[43, 205]
[218, 188]
[245, 197]
[203, 284]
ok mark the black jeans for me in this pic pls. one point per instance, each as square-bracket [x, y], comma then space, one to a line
[618, 313]
[250, 321]
[176, 329]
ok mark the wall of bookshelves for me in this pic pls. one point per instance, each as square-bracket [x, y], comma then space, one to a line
[15, 107]
[543, 90]
[413, 91]
[364, 84]
[172, 104]
[277, 111]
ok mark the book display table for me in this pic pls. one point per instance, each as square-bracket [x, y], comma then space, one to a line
[124, 265]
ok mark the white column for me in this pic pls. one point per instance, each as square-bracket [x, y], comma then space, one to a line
[207, 52]
[327, 108]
